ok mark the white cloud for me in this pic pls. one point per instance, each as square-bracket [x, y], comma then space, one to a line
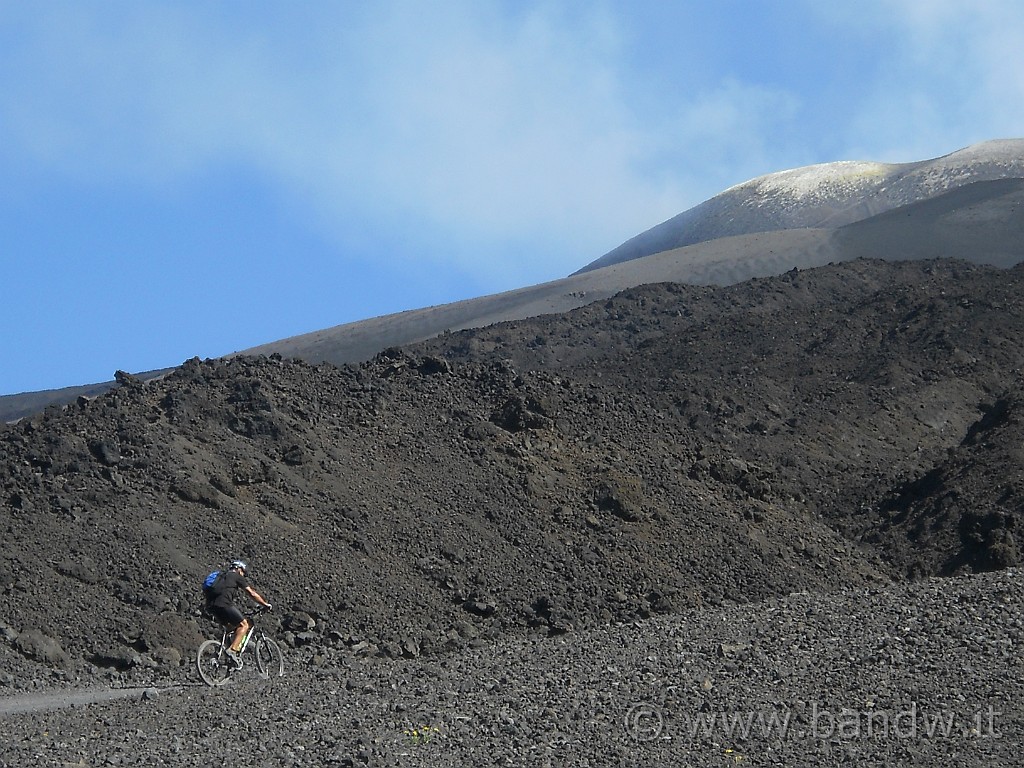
[474, 120]
[488, 126]
[734, 128]
[452, 115]
[948, 74]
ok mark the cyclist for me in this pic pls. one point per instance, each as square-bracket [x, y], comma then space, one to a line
[220, 599]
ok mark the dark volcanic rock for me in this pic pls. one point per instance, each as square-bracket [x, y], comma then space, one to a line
[671, 452]
[883, 398]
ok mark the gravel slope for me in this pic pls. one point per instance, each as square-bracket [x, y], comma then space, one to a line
[921, 674]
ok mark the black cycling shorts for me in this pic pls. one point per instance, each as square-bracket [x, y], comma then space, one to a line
[229, 616]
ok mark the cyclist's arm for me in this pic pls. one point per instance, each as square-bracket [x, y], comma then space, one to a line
[257, 597]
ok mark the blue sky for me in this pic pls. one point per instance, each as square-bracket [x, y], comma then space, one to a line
[195, 178]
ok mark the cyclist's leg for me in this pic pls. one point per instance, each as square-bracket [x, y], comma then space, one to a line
[233, 620]
[240, 632]
[241, 625]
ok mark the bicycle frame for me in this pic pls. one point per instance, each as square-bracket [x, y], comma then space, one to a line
[229, 635]
[215, 667]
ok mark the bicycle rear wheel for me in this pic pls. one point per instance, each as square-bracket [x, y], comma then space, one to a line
[269, 661]
[214, 667]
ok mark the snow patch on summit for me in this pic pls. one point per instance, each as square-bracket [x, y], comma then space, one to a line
[834, 180]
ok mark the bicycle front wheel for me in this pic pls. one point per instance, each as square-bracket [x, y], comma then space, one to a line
[269, 661]
[214, 667]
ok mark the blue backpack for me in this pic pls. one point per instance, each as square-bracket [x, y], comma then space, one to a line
[211, 584]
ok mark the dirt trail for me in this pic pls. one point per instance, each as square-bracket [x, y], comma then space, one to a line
[42, 702]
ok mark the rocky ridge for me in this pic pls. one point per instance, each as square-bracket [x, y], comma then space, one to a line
[670, 448]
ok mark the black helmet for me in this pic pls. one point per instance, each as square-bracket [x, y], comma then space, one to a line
[239, 565]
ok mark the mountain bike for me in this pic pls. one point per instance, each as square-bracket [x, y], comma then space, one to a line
[216, 667]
